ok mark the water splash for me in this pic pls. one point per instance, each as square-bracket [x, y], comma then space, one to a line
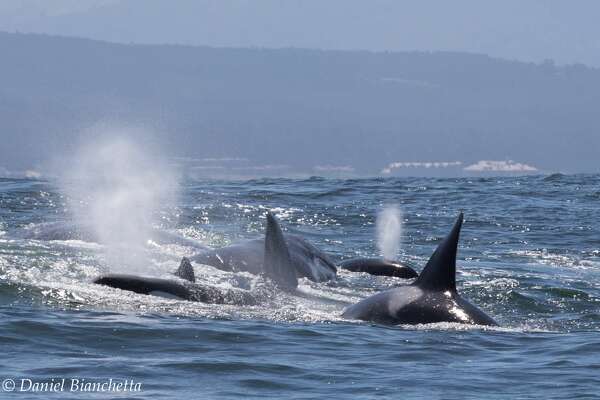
[115, 186]
[389, 231]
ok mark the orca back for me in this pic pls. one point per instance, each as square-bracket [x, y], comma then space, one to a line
[144, 285]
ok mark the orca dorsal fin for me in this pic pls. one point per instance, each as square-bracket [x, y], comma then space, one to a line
[440, 272]
[185, 270]
[278, 263]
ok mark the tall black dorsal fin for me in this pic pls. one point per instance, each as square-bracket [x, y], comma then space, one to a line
[185, 270]
[440, 271]
[278, 264]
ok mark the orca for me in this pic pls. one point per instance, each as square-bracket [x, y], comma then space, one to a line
[249, 256]
[277, 264]
[380, 267]
[179, 290]
[431, 298]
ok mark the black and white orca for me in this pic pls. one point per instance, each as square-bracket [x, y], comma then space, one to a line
[431, 298]
[249, 256]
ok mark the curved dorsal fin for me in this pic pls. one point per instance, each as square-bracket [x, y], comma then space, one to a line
[278, 264]
[440, 272]
[185, 270]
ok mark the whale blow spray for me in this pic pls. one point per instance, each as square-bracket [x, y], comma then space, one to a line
[389, 232]
[115, 188]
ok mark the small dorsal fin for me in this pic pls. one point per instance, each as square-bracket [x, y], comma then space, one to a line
[185, 270]
[440, 272]
[278, 264]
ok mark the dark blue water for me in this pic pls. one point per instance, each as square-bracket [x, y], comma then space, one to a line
[529, 257]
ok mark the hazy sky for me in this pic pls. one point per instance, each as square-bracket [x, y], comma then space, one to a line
[368, 112]
[532, 30]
